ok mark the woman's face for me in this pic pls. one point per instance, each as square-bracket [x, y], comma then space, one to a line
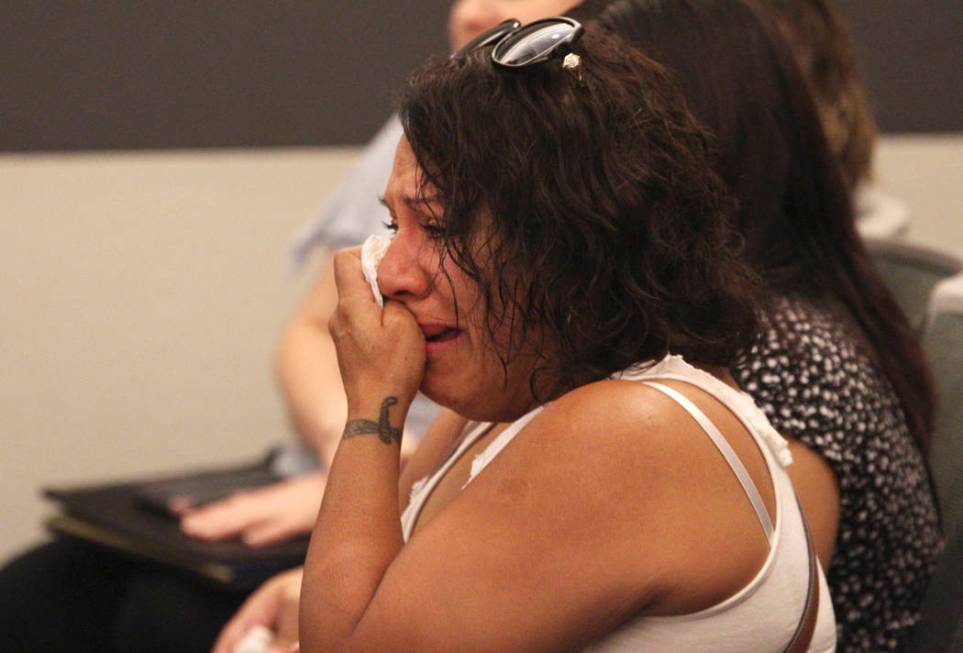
[469, 18]
[463, 371]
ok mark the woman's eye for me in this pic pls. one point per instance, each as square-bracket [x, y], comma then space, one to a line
[434, 231]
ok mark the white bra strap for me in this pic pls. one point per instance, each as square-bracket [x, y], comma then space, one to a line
[410, 516]
[500, 442]
[727, 452]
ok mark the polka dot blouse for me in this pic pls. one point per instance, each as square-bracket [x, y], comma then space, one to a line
[814, 383]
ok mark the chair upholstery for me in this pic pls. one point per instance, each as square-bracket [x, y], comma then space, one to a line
[941, 628]
[879, 214]
[943, 342]
[911, 271]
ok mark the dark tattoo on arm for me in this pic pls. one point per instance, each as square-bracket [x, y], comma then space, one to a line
[382, 428]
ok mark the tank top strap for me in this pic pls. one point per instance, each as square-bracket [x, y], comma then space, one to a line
[727, 452]
[500, 442]
[422, 489]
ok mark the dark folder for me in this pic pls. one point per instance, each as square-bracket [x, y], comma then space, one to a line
[132, 519]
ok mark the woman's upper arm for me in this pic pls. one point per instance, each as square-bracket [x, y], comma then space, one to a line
[539, 552]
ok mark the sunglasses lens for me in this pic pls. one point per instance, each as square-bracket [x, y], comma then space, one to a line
[532, 43]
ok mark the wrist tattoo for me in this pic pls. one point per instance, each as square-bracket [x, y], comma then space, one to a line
[382, 428]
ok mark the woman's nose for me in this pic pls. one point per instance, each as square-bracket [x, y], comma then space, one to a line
[402, 274]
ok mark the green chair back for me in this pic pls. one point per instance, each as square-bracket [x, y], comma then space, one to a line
[941, 628]
[911, 271]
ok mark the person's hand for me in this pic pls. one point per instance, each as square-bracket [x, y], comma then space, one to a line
[381, 353]
[260, 516]
[274, 605]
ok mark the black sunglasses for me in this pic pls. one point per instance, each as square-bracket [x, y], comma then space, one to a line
[517, 46]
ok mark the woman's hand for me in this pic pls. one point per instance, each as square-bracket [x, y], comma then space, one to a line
[261, 516]
[275, 606]
[381, 353]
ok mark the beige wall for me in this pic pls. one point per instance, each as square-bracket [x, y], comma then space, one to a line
[141, 296]
[926, 172]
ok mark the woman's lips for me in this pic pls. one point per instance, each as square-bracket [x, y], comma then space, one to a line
[439, 336]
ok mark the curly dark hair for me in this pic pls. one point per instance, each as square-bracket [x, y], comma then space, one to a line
[609, 239]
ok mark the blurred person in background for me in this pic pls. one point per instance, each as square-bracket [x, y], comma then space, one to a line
[826, 54]
[824, 48]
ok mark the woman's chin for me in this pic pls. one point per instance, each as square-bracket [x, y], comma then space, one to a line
[479, 406]
[445, 391]
[441, 391]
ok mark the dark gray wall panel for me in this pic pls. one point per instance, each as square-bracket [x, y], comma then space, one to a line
[912, 61]
[220, 73]
[205, 73]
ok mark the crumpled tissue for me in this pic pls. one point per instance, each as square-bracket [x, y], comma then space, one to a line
[372, 251]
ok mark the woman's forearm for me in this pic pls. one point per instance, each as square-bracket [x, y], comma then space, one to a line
[381, 355]
[358, 533]
[306, 368]
[307, 373]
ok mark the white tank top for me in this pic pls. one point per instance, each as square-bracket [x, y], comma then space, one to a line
[763, 615]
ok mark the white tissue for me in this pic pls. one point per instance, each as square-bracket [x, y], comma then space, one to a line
[372, 251]
[257, 640]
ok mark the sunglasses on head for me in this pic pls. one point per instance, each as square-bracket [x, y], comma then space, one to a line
[517, 46]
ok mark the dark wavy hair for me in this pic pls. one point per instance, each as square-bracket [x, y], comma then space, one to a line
[795, 210]
[585, 207]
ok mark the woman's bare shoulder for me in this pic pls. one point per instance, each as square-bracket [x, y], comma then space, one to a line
[631, 449]
[624, 429]
[631, 435]
[621, 410]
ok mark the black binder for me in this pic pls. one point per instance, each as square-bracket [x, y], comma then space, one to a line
[131, 518]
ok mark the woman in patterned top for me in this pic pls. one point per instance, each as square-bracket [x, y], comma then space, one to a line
[837, 367]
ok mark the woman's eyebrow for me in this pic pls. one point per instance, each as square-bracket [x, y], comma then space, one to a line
[424, 205]
[413, 201]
